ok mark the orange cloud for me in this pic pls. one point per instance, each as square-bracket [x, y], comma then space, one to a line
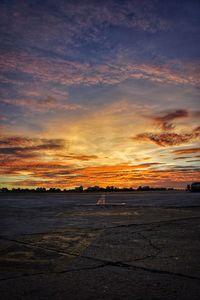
[80, 157]
[186, 151]
[121, 176]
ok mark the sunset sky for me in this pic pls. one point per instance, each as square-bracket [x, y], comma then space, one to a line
[99, 93]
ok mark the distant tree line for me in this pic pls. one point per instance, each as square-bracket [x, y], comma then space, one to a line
[80, 189]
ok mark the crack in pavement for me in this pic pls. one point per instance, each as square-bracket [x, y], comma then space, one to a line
[160, 223]
[151, 244]
[39, 247]
[151, 270]
[157, 249]
[106, 263]
[53, 272]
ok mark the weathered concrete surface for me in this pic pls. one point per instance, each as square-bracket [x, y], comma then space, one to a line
[73, 249]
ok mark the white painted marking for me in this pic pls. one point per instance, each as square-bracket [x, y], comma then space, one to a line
[101, 200]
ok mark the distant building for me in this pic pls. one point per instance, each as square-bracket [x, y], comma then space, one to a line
[195, 187]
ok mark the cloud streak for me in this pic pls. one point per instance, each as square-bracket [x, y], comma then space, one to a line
[75, 73]
[167, 139]
[186, 151]
[42, 105]
[79, 157]
[65, 176]
[20, 147]
[165, 121]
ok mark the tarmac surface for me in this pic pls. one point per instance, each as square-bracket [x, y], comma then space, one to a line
[140, 245]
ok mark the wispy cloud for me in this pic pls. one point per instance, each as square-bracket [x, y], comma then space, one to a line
[194, 160]
[80, 157]
[20, 147]
[42, 105]
[181, 157]
[166, 137]
[73, 21]
[75, 73]
[186, 151]
[165, 121]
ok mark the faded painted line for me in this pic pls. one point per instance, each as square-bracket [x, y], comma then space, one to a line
[101, 200]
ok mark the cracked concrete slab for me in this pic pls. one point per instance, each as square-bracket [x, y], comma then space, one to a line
[50, 252]
[74, 249]
[172, 246]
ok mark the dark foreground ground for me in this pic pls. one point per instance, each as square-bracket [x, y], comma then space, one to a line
[141, 245]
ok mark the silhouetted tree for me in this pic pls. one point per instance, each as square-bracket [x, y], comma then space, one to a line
[78, 189]
[188, 187]
[4, 190]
